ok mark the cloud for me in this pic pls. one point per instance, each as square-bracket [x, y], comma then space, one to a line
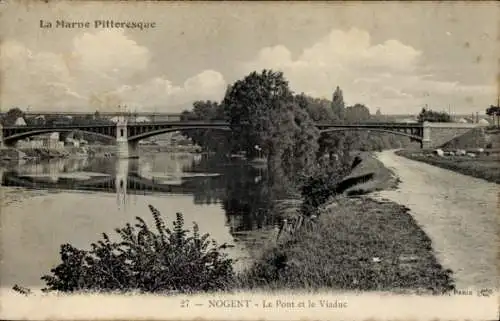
[387, 75]
[106, 68]
[159, 92]
[99, 72]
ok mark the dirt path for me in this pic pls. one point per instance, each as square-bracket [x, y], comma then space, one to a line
[459, 214]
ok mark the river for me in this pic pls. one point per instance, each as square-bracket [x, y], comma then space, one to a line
[76, 200]
[458, 212]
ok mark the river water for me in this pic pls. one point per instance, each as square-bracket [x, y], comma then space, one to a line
[458, 212]
[76, 200]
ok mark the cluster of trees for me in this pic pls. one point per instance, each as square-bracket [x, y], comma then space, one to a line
[268, 118]
[10, 117]
[494, 111]
[434, 116]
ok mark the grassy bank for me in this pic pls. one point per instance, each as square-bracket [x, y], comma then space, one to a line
[356, 244]
[484, 167]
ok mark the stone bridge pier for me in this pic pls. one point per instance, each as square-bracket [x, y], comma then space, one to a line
[437, 134]
[124, 147]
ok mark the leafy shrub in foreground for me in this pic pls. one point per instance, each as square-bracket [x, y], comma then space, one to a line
[144, 260]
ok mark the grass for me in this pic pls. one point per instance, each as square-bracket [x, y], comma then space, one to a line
[484, 167]
[358, 244]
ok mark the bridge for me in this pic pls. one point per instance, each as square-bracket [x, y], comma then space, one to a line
[127, 133]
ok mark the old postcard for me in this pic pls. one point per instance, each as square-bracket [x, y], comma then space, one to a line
[249, 160]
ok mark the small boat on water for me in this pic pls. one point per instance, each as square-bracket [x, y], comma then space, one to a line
[238, 157]
[258, 161]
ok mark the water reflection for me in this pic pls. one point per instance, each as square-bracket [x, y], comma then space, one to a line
[239, 189]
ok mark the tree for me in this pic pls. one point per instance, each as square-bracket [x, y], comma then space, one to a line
[318, 109]
[248, 105]
[494, 111]
[338, 104]
[357, 113]
[434, 116]
[213, 140]
[10, 117]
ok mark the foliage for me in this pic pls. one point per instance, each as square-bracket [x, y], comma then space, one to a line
[145, 260]
[331, 178]
[495, 112]
[249, 105]
[357, 113]
[207, 139]
[434, 116]
[338, 104]
[264, 112]
[10, 117]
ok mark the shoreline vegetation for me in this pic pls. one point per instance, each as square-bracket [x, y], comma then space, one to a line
[358, 243]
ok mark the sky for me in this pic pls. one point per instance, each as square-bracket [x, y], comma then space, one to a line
[397, 56]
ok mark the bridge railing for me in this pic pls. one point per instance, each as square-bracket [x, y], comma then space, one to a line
[208, 123]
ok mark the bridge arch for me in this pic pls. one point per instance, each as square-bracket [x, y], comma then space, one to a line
[380, 130]
[145, 135]
[18, 136]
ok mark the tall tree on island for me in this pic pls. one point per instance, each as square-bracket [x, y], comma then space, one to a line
[268, 121]
[249, 104]
[338, 105]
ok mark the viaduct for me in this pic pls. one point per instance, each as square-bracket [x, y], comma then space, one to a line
[127, 133]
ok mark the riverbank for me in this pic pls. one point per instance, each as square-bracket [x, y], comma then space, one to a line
[358, 243]
[483, 166]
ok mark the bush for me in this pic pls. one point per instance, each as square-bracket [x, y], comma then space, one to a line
[317, 189]
[145, 261]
